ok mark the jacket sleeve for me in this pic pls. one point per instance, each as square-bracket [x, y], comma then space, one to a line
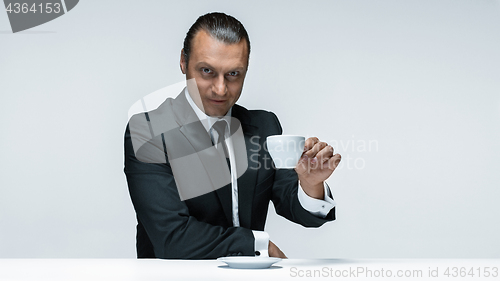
[173, 232]
[285, 196]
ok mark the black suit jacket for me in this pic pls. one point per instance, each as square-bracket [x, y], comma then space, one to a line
[201, 227]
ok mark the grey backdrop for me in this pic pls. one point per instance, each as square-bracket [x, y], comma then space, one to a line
[408, 91]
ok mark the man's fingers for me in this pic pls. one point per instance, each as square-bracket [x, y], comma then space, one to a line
[334, 161]
[317, 155]
[325, 154]
[310, 142]
[274, 251]
[311, 153]
[320, 160]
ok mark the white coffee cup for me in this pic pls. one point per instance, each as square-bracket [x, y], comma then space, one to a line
[285, 150]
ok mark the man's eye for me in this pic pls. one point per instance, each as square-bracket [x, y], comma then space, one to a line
[206, 70]
[233, 73]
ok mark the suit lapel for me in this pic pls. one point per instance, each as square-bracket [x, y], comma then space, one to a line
[246, 183]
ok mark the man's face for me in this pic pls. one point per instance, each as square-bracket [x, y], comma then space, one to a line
[219, 70]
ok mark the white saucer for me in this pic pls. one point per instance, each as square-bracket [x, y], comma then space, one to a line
[249, 262]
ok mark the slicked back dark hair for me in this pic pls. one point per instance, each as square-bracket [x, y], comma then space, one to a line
[220, 26]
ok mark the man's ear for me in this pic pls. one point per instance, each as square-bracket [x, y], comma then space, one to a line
[183, 62]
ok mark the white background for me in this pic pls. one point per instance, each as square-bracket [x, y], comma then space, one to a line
[419, 80]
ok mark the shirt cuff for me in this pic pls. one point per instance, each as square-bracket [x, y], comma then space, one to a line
[317, 207]
[261, 243]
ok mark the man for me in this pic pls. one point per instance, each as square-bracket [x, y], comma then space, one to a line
[188, 204]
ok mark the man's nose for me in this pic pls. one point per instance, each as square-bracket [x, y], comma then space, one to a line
[219, 85]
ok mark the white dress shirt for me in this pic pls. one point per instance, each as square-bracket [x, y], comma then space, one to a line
[315, 206]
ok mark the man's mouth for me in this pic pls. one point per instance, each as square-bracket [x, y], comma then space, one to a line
[217, 101]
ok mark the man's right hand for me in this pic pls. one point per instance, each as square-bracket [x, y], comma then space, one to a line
[274, 251]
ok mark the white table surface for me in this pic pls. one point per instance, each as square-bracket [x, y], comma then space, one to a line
[290, 269]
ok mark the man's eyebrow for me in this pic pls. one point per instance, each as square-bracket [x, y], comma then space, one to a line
[202, 63]
[240, 67]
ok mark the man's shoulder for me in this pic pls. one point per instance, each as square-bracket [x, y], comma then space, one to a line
[253, 117]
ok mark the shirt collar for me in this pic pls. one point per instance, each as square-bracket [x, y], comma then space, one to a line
[206, 120]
